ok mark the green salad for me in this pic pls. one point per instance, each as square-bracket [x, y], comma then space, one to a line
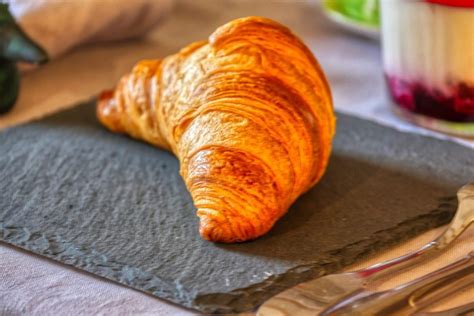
[360, 11]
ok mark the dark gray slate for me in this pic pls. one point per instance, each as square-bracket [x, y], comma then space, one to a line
[73, 192]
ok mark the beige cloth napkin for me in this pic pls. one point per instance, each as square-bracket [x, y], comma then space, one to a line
[60, 25]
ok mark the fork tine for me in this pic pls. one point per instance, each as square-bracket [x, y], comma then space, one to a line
[421, 301]
[460, 310]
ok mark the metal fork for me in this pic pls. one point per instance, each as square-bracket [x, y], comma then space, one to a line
[421, 305]
[310, 298]
[403, 296]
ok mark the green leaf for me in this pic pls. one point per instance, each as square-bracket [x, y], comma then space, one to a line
[9, 85]
[5, 16]
[363, 11]
[15, 45]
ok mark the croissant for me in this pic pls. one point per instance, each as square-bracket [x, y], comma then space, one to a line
[249, 115]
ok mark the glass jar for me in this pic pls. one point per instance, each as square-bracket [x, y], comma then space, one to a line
[428, 52]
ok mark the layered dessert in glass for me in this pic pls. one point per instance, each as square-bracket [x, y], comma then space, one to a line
[428, 51]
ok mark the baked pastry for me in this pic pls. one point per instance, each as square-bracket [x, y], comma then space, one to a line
[249, 115]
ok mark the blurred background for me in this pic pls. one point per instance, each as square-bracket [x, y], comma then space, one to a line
[92, 43]
[82, 70]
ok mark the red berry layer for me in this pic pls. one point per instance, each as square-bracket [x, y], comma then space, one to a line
[456, 106]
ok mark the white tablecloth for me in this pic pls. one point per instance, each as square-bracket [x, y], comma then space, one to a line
[32, 285]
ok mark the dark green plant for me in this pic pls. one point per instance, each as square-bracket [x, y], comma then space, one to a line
[15, 46]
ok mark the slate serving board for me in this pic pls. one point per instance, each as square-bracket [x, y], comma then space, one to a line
[73, 192]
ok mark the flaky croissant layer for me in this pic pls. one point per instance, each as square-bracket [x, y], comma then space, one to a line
[249, 115]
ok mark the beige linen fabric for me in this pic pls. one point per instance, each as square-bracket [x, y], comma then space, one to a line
[59, 25]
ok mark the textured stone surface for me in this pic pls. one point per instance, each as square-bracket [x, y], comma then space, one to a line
[115, 207]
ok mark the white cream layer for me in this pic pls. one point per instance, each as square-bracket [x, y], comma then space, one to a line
[430, 43]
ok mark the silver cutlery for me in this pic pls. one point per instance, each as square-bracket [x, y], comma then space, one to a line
[401, 297]
[452, 288]
[312, 297]
[438, 295]
[460, 310]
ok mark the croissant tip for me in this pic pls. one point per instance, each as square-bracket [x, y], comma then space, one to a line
[212, 231]
[217, 228]
[217, 235]
[107, 111]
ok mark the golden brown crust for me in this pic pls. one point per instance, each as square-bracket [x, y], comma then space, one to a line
[248, 114]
